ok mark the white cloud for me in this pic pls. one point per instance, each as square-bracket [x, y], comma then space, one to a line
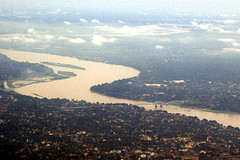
[69, 31]
[233, 42]
[83, 20]
[140, 30]
[77, 40]
[238, 31]
[47, 37]
[228, 40]
[67, 23]
[225, 15]
[224, 31]
[5, 39]
[235, 50]
[23, 39]
[205, 26]
[63, 38]
[95, 21]
[30, 40]
[57, 11]
[159, 47]
[99, 40]
[209, 27]
[230, 21]
[164, 40]
[119, 21]
[32, 30]
[228, 15]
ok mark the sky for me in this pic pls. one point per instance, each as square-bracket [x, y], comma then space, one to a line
[170, 7]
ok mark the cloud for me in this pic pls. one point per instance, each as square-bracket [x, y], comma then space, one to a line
[238, 31]
[57, 11]
[32, 30]
[228, 15]
[159, 47]
[139, 30]
[69, 31]
[77, 41]
[18, 39]
[235, 50]
[47, 37]
[230, 21]
[99, 40]
[5, 39]
[209, 27]
[233, 42]
[164, 40]
[30, 40]
[83, 20]
[224, 31]
[67, 23]
[228, 40]
[63, 38]
[95, 21]
[119, 21]
[205, 26]
[35, 38]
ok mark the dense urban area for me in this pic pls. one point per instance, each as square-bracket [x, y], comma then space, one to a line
[63, 129]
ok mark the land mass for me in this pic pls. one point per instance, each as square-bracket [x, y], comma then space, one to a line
[66, 73]
[59, 128]
[209, 83]
[33, 128]
[64, 65]
[17, 74]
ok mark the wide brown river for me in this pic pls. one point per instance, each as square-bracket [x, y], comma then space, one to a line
[78, 87]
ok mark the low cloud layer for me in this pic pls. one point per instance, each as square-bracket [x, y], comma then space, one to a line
[230, 21]
[74, 40]
[159, 47]
[233, 50]
[210, 27]
[67, 23]
[83, 20]
[32, 30]
[205, 26]
[95, 21]
[100, 40]
[232, 42]
[139, 30]
[18, 39]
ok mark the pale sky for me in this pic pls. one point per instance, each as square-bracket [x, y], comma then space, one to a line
[189, 7]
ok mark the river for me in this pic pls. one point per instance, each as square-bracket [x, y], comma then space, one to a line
[78, 87]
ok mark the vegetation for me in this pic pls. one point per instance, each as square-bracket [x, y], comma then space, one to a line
[66, 73]
[11, 69]
[63, 65]
[213, 95]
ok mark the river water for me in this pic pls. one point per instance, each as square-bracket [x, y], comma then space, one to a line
[78, 87]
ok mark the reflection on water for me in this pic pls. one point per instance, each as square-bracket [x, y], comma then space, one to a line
[78, 87]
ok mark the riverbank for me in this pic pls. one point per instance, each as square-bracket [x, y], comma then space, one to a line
[22, 82]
